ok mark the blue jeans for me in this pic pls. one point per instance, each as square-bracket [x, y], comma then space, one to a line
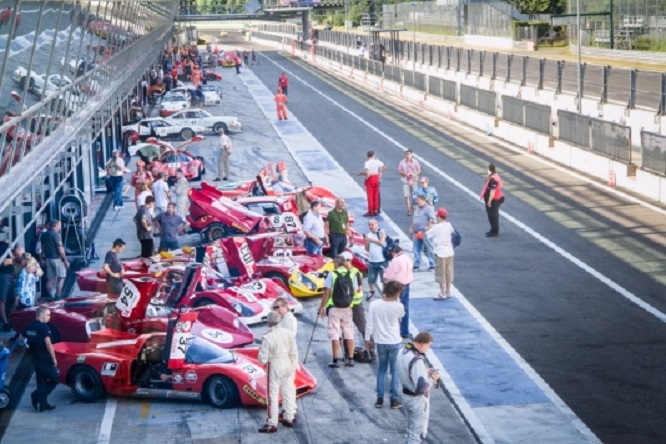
[311, 247]
[404, 323]
[376, 269]
[117, 187]
[387, 355]
[168, 245]
[418, 251]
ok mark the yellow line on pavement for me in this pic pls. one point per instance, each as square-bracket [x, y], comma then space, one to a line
[145, 409]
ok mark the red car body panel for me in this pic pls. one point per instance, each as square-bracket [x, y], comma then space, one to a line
[118, 361]
[192, 168]
[70, 317]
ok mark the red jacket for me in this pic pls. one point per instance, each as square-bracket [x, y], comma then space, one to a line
[283, 81]
[498, 191]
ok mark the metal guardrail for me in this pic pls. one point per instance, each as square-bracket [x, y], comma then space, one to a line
[606, 138]
[635, 89]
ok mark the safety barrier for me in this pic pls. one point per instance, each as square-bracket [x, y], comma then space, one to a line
[528, 114]
[653, 152]
[607, 138]
[644, 89]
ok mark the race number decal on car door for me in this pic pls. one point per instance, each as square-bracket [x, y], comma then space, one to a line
[245, 255]
[290, 222]
[128, 299]
[181, 332]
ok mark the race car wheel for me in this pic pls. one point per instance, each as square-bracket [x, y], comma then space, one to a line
[5, 397]
[203, 167]
[86, 384]
[203, 302]
[278, 277]
[221, 392]
[186, 134]
[215, 231]
[71, 209]
[220, 126]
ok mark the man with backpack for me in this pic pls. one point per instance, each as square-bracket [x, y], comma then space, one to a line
[441, 238]
[339, 290]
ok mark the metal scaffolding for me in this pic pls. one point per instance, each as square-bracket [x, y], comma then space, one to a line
[66, 71]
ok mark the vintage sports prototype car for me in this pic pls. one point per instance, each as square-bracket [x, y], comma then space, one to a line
[174, 365]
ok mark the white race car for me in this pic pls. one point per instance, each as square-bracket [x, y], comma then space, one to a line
[35, 83]
[210, 97]
[172, 103]
[158, 127]
[203, 118]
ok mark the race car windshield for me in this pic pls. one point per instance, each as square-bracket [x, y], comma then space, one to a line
[201, 351]
[175, 158]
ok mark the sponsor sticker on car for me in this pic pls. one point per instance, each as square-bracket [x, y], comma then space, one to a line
[191, 376]
[218, 336]
[109, 369]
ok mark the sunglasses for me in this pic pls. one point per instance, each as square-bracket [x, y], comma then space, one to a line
[276, 307]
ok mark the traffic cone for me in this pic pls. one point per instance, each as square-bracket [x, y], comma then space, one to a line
[611, 178]
[530, 147]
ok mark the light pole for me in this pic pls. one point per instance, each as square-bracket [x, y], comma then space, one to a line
[414, 35]
[580, 78]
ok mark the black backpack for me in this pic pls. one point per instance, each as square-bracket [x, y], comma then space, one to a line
[390, 243]
[343, 290]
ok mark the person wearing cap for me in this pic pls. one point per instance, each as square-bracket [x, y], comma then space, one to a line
[115, 168]
[423, 218]
[114, 268]
[439, 236]
[139, 177]
[340, 319]
[314, 230]
[280, 355]
[400, 270]
[226, 147]
[409, 169]
[181, 191]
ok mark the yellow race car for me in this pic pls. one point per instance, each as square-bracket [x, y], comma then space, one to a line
[305, 285]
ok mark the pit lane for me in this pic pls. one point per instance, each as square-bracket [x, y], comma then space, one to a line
[339, 411]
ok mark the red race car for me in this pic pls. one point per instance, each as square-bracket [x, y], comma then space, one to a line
[217, 216]
[194, 167]
[74, 319]
[173, 366]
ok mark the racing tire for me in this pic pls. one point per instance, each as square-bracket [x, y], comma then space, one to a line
[221, 392]
[202, 171]
[5, 397]
[71, 209]
[215, 231]
[203, 302]
[278, 277]
[186, 133]
[218, 126]
[86, 384]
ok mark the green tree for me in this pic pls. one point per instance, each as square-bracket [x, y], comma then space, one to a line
[541, 6]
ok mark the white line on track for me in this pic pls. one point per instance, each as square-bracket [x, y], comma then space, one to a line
[561, 251]
[105, 427]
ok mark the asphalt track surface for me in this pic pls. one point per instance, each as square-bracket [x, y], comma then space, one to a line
[600, 352]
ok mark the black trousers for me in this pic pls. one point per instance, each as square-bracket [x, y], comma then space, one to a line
[493, 216]
[338, 243]
[47, 380]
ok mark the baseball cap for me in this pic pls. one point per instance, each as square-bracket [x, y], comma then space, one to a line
[442, 212]
[347, 255]
[118, 242]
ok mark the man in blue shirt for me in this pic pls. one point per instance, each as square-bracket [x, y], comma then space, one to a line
[429, 192]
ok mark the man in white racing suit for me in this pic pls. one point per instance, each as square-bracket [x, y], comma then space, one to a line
[288, 320]
[416, 381]
[278, 352]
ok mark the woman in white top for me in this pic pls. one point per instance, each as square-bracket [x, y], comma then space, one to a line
[440, 237]
[144, 192]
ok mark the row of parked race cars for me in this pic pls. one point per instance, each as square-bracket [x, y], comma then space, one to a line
[180, 328]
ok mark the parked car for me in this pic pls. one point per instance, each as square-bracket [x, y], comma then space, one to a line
[200, 117]
[159, 127]
[172, 103]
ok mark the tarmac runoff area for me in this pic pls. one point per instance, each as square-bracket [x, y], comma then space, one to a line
[499, 396]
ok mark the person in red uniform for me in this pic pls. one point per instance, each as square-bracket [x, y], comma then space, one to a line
[493, 198]
[4, 17]
[283, 83]
[281, 102]
[372, 170]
